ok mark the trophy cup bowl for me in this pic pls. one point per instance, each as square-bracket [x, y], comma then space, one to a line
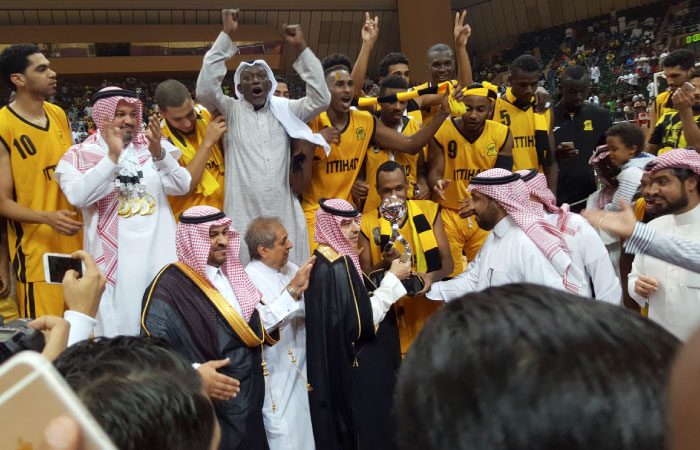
[393, 209]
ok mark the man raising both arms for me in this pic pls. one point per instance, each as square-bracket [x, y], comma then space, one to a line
[190, 128]
[34, 134]
[257, 144]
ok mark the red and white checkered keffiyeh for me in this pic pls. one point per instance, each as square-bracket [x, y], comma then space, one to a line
[87, 155]
[678, 158]
[327, 230]
[606, 193]
[192, 245]
[537, 185]
[514, 197]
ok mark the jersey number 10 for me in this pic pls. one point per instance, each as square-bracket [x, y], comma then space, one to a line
[25, 146]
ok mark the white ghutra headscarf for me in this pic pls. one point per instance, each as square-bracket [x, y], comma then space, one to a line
[279, 107]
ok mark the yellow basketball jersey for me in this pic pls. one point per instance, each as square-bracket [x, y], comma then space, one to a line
[371, 229]
[189, 143]
[34, 154]
[464, 160]
[333, 175]
[660, 104]
[522, 124]
[376, 157]
[672, 136]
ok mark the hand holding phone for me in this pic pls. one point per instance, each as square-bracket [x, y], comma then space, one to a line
[57, 264]
[83, 294]
[688, 88]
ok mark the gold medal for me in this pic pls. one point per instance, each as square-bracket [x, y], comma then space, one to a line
[145, 207]
[135, 206]
[124, 208]
[151, 202]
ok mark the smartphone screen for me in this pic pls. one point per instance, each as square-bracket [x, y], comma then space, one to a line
[59, 265]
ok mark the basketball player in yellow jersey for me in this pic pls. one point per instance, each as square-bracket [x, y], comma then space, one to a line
[422, 229]
[190, 128]
[441, 67]
[464, 147]
[677, 67]
[34, 135]
[334, 174]
[392, 115]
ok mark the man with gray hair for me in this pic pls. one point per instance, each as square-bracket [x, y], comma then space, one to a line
[257, 145]
[282, 283]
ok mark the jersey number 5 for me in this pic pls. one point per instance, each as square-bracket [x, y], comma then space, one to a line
[25, 146]
[505, 118]
[452, 149]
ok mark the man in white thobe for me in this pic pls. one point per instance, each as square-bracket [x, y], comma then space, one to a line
[257, 144]
[510, 254]
[120, 178]
[587, 249]
[288, 425]
[672, 292]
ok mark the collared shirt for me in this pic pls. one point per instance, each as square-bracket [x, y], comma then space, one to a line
[676, 304]
[223, 285]
[507, 256]
[586, 129]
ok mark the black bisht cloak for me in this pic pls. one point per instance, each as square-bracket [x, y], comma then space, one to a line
[350, 366]
[176, 309]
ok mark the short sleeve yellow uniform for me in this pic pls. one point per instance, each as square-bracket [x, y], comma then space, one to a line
[662, 105]
[207, 193]
[34, 154]
[376, 157]
[463, 161]
[412, 312]
[333, 175]
[522, 124]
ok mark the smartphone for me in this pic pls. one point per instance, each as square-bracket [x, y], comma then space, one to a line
[33, 394]
[57, 264]
[688, 88]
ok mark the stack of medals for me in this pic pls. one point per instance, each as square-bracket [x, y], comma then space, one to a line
[133, 198]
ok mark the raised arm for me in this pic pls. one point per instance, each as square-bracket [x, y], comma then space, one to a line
[215, 129]
[462, 31]
[370, 32]
[310, 70]
[209, 91]
[389, 139]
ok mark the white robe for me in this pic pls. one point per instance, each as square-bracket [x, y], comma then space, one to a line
[590, 255]
[289, 427]
[257, 148]
[676, 304]
[507, 256]
[145, 244]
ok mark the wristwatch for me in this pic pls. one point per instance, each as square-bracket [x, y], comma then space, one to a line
[293, 293]
[161, 157]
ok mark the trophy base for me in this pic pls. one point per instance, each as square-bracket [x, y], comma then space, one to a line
[413, 284]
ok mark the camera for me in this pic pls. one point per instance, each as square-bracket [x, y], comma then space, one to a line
[17, 336]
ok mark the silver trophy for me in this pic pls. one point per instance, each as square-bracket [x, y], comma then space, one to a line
[393, 209]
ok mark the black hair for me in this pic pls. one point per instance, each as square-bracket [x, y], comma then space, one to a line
[575, 72]
[439, 48]
[525, 63]
[15, 59]
[392, 82]
[630, 134]
[280, 79]
[389, 60]
[142, 394]
[334, 62]
[683, 174]
[683, 58]
[389, 166]
[525, 366]
[694, 74]
[171, 94]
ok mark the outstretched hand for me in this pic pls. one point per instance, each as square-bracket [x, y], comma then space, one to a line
[462, 30]
[370, 29]
[620, 223]
[154, 134]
